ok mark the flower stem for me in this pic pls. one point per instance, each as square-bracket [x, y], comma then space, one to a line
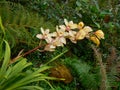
[30, 51]
[26, 53]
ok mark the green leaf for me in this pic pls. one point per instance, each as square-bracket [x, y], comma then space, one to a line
[17, 68]
[30, 88]
[56, 57]
[35, 76]
[1, 50]
[5, 60]
[1, 27]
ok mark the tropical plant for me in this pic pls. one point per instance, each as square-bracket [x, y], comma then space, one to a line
[21, 29]
[83, 74]
[21, 25]
[20, 74]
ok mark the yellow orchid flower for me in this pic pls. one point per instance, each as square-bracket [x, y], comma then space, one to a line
[80, 35]
[95, 40]
[83, 33]
[80, 25]
[99, 34]
[87, 29]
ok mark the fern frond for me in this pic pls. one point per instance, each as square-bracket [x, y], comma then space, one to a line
[21, 24]
[88, 79]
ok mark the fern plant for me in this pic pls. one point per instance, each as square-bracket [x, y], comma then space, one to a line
[21, 25]
[83, 74]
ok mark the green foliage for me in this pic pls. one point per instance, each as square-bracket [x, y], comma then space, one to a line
[53, 10]
[23, 18]
[101, 14]
[20, 24]
[86, 76]
[19, 75]
[2, 34]
[90, 13]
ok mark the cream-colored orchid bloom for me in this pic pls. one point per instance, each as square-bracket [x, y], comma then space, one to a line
[63, 27]
[49, 47]
[71, 35]
[80, 25]
[45, 35]
[73, 39]
[59, 41]
[95, 40]
[60, 32]
[99, 34]
[70, 25]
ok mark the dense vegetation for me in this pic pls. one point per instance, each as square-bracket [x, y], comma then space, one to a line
[80, 66]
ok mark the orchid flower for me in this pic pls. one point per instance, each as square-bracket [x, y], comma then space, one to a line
[72, 36]
[87, 29]
[95, 40]
[49, 47]
[70, 25]
[45, 35]
[60, 32]
[80, 25]
[59, 41]
[83, 33]
[99, 34]
[69, 34]
[63, 32]
[80, 35]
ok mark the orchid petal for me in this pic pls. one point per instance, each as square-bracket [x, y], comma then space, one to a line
[42, 30]
[80, 25]
[87, 29]
[95, 40]
[66, 22]
[99, 34]
[81, 35]
[39, 36]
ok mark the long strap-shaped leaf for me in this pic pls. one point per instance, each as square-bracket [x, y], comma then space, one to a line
[2, 34]
[30, 78]
[1, 27]
[5, 61]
